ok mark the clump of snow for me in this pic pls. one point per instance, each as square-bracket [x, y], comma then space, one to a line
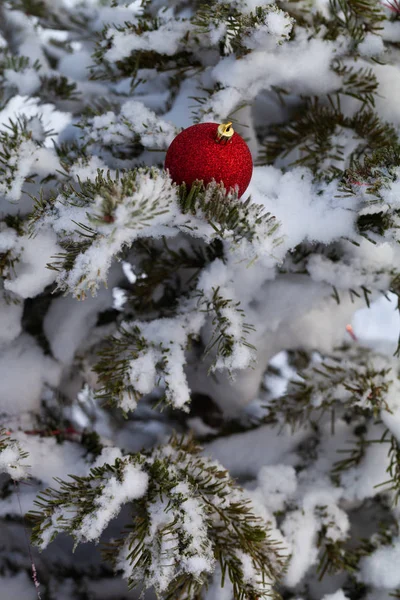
[108, 456]
[27, 82]
[300, 530]
[92, 266]
[304, 211]
[60, 459]
[31, 272]
[23, 393]
[164, 40]
[339, 595]
[114, 494]
[143, 372]
[277, 484]
[12, 462]
[389, 87]
[372, 45]
[279, 24]
[288, 66]
[381, 568]
[10, 319]
[20, 164]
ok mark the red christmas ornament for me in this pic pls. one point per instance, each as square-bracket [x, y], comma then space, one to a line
[210, 151]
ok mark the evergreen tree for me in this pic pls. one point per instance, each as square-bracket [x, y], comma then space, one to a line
[186, 375]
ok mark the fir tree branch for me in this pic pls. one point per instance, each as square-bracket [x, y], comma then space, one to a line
[188, 516]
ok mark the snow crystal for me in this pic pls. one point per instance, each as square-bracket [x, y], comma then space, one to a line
[92, 266]
[153, 132]
[250, 573]
[19, 163]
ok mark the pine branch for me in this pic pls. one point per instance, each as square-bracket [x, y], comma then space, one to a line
[187, 514]
[352, 377]
[311, 133]
[227, 214]
[393, 484]
[358, 17]
[339, 556]
[12, 456]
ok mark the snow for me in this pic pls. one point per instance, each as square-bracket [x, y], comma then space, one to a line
[10, 461]
[288, 298]
[68, 324]
[339, 595]
[264, 446]
[61, 459]
[91, 267]
[113, 495]
[302, 211]
[289, 65]
[389, 87]
[381, 568]
[360, 482]
[10, 320]
[372, 45]
[31, 272]
[164, 40]
[17, 586]
[300, 530]
[278, 484]
[143, 372]
[23, 393]
[279, 24]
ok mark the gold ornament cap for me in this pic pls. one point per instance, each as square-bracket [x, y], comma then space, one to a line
[225, 132]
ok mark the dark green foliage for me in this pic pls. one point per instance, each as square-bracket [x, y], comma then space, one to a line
[393, 469]
[238, 25]
[358, 17]
[345, 378]
[339, 557]
[227, 517]
[222, 338]
[310, 133]
[226, 213]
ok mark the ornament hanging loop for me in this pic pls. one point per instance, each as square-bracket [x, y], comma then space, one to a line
[225, 132]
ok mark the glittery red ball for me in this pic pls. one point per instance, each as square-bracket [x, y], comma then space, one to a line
[195, 154]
